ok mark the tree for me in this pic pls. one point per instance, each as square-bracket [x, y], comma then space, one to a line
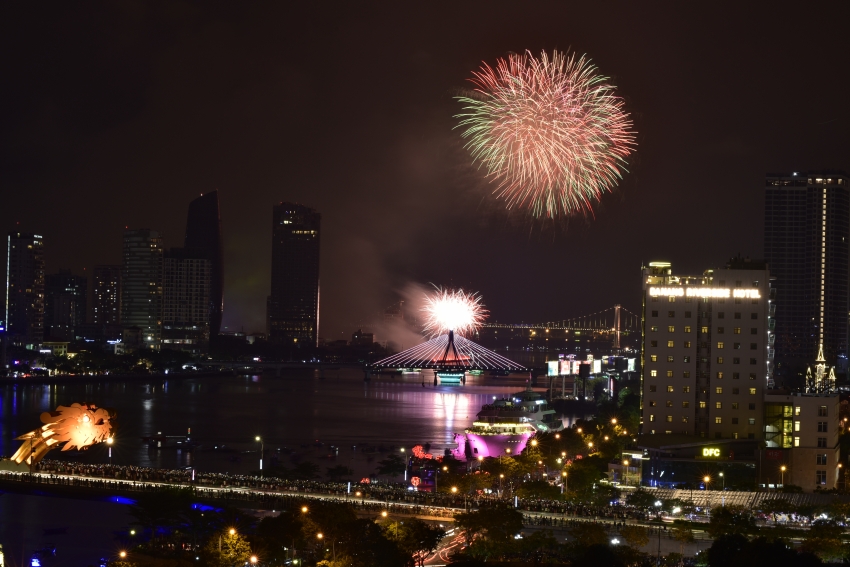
[586, 534]
[641, 498]
[635, 536]
[496, 524]
[392, 466]
[725, 548]
[538, 489]
[683, 534]
[824, 540]
[415, 538]
[339, 472]
[731, 520]
[226, 550]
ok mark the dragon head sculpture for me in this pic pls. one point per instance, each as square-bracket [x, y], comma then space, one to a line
[77, 426]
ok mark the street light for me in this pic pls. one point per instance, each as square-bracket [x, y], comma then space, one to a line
[122, 554]
[259, 440]
[253, 560]
[782, 471]
[109, 442]
[563, 481]
[723, 478]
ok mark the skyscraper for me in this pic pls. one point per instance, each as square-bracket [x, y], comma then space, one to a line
[65, 298]
[293, 306]
[141, 284]
[106, 296]
[807, 243]
[25, 289]
[186, 301]
[203, 236]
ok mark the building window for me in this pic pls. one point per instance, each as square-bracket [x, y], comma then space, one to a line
[669, 404]
[720, 344]
[651, 417]
[734, 405]
[796, 441]
[736, 375]
[821, 441]
[653, 329]
[796, 426]
[652, 388]
[685, 419]
[753, 361]
[822, 411]
[754, 346]
[671, 313]
[797, 410]
[687, 344]
[671, 299]
[721, 315]
[736, 360]
[687, 328]
[720, 330]
[654, 313]
[820, 478]
[671, 329]
[652, 403]
[820, 459]
[669, 418]
[653, 343]
[754, 315]
[669, 358]
[737, 300]
[751, 420]
[669, 344]
[669, 374]
[717, 434]
[686, 374]
[737, 346]
[686, 359]
[754, 331]
[718, 420]
[718, 405]
[720, 376]
[653, 373]
[703, 330]
[751, 406]
[718, 390]
[735, 435]
[734, 421]
[737, 314]
[702, 405]
[686, 389]
[686, 405]
[687, 314]
[719, 360]
[736, 331]
[752, 391]
[735, 391]
[654, 298]
[653, 358]
[752, 375]
[821, 427]
[669, 388]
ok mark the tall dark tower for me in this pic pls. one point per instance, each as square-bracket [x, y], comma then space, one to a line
[203, 235]
[807, 245]
[24, 314]
[293, 306]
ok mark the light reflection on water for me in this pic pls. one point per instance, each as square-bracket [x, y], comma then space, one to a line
[287, 411]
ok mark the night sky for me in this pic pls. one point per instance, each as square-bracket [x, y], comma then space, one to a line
[119, 113]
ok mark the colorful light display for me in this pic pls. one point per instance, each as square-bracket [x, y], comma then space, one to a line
[549, 131]
[453, 310]
[78, 427]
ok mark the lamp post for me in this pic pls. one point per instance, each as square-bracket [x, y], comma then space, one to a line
[501, 476]
[563, 482]
[109, 442]
[782, 473]
[707, 479]
[232, 533]
[259, 440]
[625, 471]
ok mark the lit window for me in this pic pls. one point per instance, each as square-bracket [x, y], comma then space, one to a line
[686, 390]
[720, 376]
[669, 404]
[669, 388]
[734, 405]
[752, 391]
[797, 410]
[718, 420]
[737, 330]
[718, 390]
[684, 419]
[718, 405]
[653, 358]
[703, 330]
[669, 374]
[686, 404]
[719, 360]
[671, 329]
[687, 328]
[687, 344]
[653, 373]
[669, 418]
[686, 374]
[720, 344]
[651, 417]
[654, 328]
[670, 358]
[796, 441]
[669, 344]
[702, 405]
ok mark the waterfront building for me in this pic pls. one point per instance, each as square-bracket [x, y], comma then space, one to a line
[807, 245]
[24, 312]
[141, 284]
[293, 306]
[203, 237]
[106, 295]
[65, 299]
[186, 312]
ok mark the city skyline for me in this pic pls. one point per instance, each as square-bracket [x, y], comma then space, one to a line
[398, 184]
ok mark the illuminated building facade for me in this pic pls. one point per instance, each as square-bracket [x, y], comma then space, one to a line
[186, 300]
[141, 284]
[106, 295]
[203, 237]
[293, 306]
[65, 299]
[24, 313]
[807, 244]
[706, 351]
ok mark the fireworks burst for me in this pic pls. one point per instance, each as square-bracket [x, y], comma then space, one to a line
[453, 310]
[550, 132]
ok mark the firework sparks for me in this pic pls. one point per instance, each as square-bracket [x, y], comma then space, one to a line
[550, 132]
[453, 310]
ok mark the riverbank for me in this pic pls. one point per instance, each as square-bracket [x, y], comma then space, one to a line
[97, 378]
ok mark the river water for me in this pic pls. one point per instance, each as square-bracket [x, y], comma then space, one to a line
[291, 412]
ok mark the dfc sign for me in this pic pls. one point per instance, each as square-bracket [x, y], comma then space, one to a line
[711, 452]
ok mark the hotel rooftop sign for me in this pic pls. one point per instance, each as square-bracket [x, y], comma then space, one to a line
[705, 292]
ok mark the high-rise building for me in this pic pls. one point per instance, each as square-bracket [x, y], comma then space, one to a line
[807, 245]
[706, 351]
[65, 299]
[203, 237]
[186, 300]
[24, 313]
[106, 295]
[141, 285]
[293, 306]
